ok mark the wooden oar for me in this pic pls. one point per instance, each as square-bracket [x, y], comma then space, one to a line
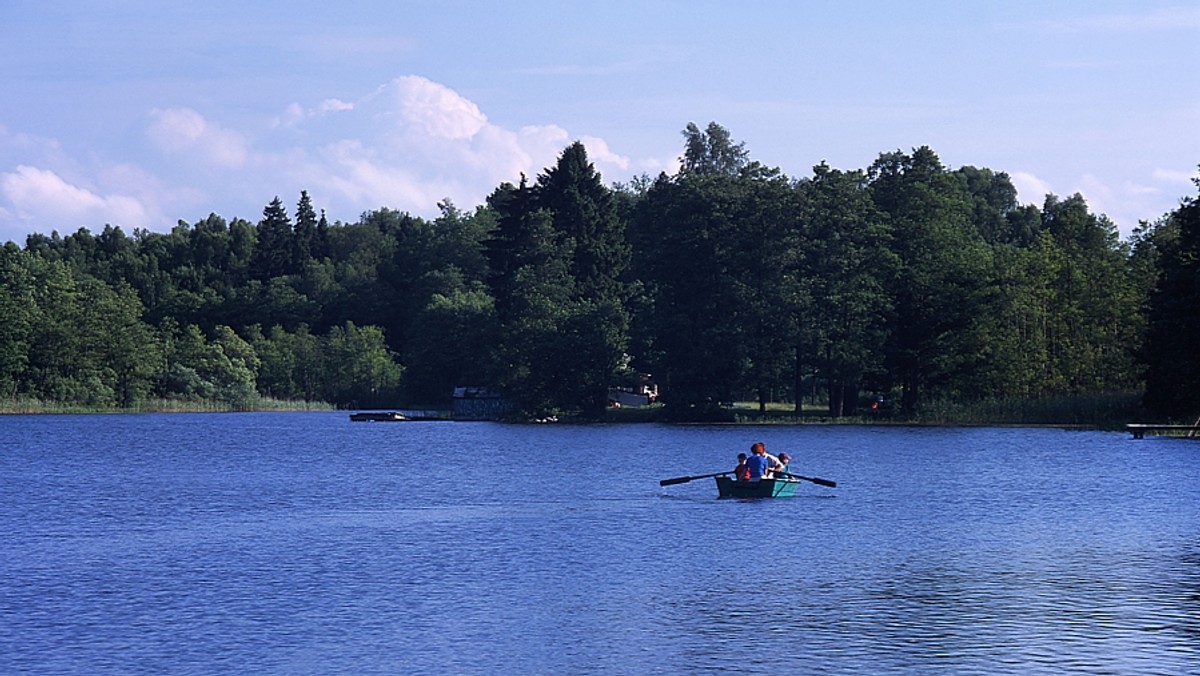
[815, 480]
[685, 479]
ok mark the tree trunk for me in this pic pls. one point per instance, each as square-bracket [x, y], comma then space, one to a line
[836, 395]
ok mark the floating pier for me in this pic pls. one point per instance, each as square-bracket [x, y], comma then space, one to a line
[400, 416]
[378, 416]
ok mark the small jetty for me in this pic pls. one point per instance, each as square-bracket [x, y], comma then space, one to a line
[378, 416]
[399, 416]
[1140, 430]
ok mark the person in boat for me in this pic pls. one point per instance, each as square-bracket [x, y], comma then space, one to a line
[757, 464]
[741, 472]
[784, 459]
[773, 463]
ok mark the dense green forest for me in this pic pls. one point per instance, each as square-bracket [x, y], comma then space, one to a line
[725, 281]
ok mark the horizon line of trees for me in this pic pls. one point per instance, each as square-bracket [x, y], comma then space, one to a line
[724, 281]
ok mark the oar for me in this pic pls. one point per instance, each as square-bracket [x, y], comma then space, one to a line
[685, 479]
[815, 480]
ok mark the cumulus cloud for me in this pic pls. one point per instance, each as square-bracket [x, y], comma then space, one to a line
[426, 107]
[405, 145]
[600, 154]
[179, 130]
[413, 142]
[1030, 188]
[42, 197]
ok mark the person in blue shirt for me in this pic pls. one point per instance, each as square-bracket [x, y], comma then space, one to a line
[757, 463]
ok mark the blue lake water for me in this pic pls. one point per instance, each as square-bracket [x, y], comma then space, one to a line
[303, 543]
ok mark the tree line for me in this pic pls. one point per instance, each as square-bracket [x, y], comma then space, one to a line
[726, 280]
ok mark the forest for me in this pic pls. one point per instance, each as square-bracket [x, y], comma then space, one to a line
[726, 281]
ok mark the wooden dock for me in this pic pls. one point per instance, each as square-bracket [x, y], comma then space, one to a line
[1140, 430]
[399, 416]
[388, 416]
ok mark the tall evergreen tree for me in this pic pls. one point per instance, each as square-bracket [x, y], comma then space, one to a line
[275, 247]
[584, 210]
[305, 231]
[526, 255]
[320, 248]
[532, 286]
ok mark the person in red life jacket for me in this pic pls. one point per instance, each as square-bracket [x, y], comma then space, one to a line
[741, 472]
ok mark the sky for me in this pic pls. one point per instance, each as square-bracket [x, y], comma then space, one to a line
[143, 113]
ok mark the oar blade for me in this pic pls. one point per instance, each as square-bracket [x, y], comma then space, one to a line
[815, 480]
[685, 479]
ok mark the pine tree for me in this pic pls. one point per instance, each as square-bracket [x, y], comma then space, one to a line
[274, 250]
[305, 230]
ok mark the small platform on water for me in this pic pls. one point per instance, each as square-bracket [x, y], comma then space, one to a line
[1140, 430]
[400, 416]
[378, 416]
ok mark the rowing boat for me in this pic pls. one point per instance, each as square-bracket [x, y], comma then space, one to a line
[727, 487]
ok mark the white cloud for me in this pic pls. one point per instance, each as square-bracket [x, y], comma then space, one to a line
[180, 130]
[1176, 177]
[292, 115]
[413, 142]
[295, 113]
[406, 145]
[1030, 188]
[334, 105]
[600, 154]
[543, 144]
[42, 198]
[426, 107]
[359, 174]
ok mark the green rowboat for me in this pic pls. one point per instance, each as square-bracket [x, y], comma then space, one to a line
[727, 487]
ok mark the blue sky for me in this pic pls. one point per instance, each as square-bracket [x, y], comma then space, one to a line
[141, 113]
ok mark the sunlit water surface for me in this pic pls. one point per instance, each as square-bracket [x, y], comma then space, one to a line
[304, 543]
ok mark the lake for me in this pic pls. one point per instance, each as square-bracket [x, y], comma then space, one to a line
[303, 543]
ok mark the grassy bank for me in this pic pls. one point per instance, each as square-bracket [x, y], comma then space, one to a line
[37, 406]
[1111, 410]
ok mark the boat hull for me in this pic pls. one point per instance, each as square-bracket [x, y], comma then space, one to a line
[765, 488]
